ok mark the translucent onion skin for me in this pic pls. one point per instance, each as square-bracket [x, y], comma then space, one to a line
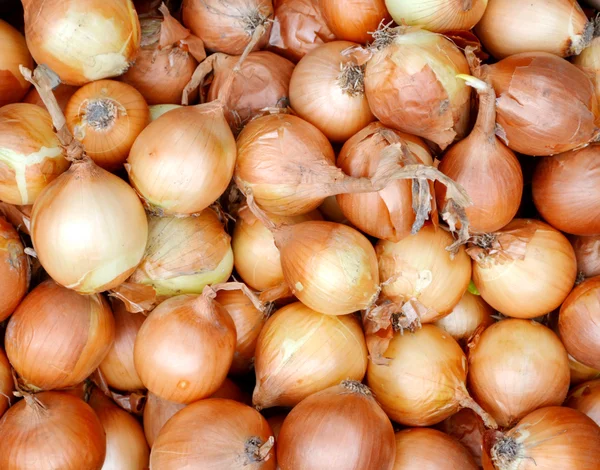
[515, 367]
[354, 21]
[62, 93]
[323, 91]
[301, 352]
[83, 329]
[14, 269]
[470, 314]
[6, 383]
[13, 52]
[587, 252]
[65, 434]
[96, 40]
[213, 434]
[586, 398]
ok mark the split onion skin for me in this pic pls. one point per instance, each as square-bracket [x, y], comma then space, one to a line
[470, 314]
[354, 21]
[587, 252]
[6, 383]
[586, 398]
[14, 269]
[13, 52]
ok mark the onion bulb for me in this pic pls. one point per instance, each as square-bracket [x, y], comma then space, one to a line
[470, 314]
[83, 329]
[6, 383]
[51, 430]
[13, 53]
[515, 367]
[215, 434]
[466, 427]
[62, 93]
[510, 26]
[587, 252]
[356, 20]
[18, 216]
[589, 61]
[586, 398]
[300, 352]
[158, 110]
[581, 373]
[14, 270]
[525, 270]
[342, 427]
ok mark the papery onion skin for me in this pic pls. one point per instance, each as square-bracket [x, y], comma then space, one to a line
[30, 154]
[589, 61]
[468, 428]
[586, 398]
[213, 434]
[13, 52]
[6, 383]
[580, 372]
[82, 328]
[356, 20]
[469, 314]
[62, 93]
[300, 352]
[587, 252]
[66, 435]
[14, 269]
[515, 367]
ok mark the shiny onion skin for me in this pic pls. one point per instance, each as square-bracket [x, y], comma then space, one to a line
[51, 430]
[14, 269]
[545, 105]
[586, 398]
[327, 90]
[82, 328]
[531, 275]
[30, 154]
[215, 434]
[13, 52]
[515, 367]
[468, 428]
[301, 352]
[511, 26]
[589, 62]
[566, 189]
[106, 116]
[470, 314]
[341, 427]
[579, 323]
[82, 41]
[62, 93]
[587, 252]
[411, 86]
[354, 21]
[430, 449]
[6, 383]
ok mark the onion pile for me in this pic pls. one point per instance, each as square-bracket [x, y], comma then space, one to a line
[14, 53]
[14, 269]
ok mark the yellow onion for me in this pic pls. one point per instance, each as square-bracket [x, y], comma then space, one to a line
[515, 367]
[30, 154]
[581, 373]
[356, 20]
[6, 383]
[469, 315]
[331, 211]
[62, 93]
[82, 329]
[215, 434]
[545, 105]
[589, 61]
[510, 26]
[183, 161]
[158, 110]
[468, 428]
[586, 398]
[411, 85]
[14, 269]
[587, 252]
[300, 352]
[82, 42]
[13, 52]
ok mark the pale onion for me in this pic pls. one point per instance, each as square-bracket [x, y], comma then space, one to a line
[468, 428]
[341, 427]
[6, 383]
[511, 26]
[158, 110]
[183, 161]
[525, 270]
[587, 252]
[545, 105]
[215, 434]
[515, 367]
[106, 116]
[51, 430]
[438, 15]
[82, 329]
[580, 372]
[356, 20]
[62, 93]
[411, 85]
[82, 41]
[300, 352]
[470, 314]
[30, 154]
[14, 270]
[589, 61]
[586, 398]
[13, 52]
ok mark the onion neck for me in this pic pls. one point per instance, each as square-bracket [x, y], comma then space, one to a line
[465, 401]
[486, 117]
[256, 450]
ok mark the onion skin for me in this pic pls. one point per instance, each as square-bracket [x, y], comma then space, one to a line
[14, 270]
[515, 367]
[470, 314]
[66, 435]
[589, 62]
[212, 434]
[587, 252]
[586, 398]
[301, 352]
[581, 373]
[468, 428]
[13, 52]
[356, 20]
[158, 110]
[6, 383]
[83, 328]
[82, 42]
[62, 93]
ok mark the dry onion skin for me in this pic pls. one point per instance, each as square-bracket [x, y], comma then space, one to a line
[215, 434]
[510, 27]
[586, 398]
[62, 93]
[470, 314]
[468, 428]
[83, 329]
[13, 52]
[587, 252]
[354, 21]
[589, 62]
[82, 41]
[515, 367]
[342, 427]
[6, 383]
[14, 269]
[301, 352]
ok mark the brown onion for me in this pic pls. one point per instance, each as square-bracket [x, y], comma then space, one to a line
[356, 20]
[587, 252]
[470, 314]
[586, 398]
[468, 428]
[13, 52]
[6, 383]
[276, 422]
[589, 61]
[581, 373]
[515, 367]
[18, 216]
[14, 269]
[62, 94]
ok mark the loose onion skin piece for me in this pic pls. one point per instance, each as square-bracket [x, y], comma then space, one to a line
[587, 252]
[515, 367]
[14, 269]
[13, 52]
[62, 93]
[468, 428]
[341, 427]
[6, 383]
[57, 430]
[356, 20]
[586, 398]
[214, 434]
[470, 314]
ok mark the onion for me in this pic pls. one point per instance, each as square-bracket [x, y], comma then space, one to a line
[301, 352]
[510, 26]
[331, 211]
[469, 315]
[546, 439]
[430, 449]
[30, 153]
[586, 398]
[545, 104]
[356, 20]
[341, 427]
[438, 15]
[276, 422]
[411, 84]
[581, 373]
[215, 434]
[82, 328]
[82, 42]
[158, 110]
[14, 270]
[327, 89]
[182, 162]
[18, 216]
[6, 383]
[515, 367]
[466, 427]
[51, 430]
[62, 93]
[14, 52]
[525, 270]
[589, 61]
[587, 252]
